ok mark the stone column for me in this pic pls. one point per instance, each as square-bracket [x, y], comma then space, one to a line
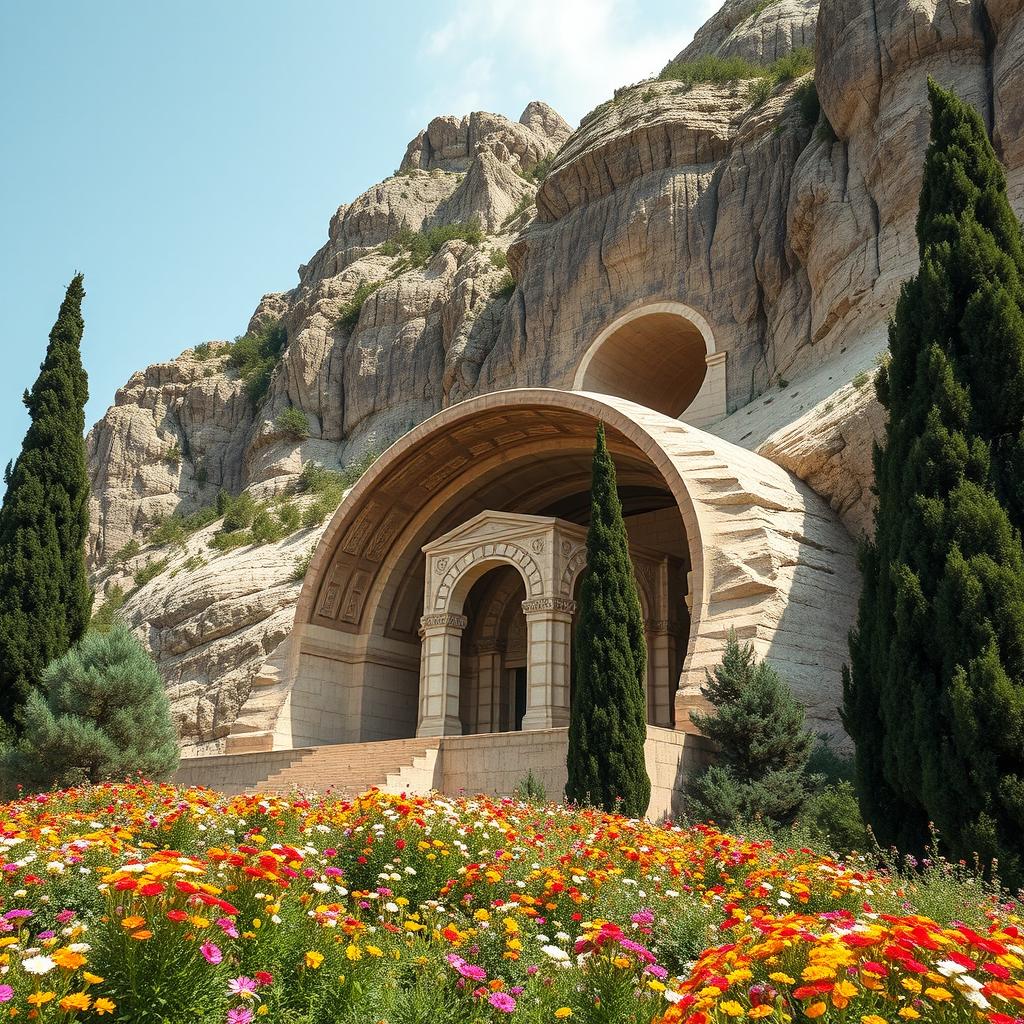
[439, 674]
[548, 639]
[662, 647]
[488, 688]
[710, 402]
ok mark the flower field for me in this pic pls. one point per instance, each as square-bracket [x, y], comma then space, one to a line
[146, 903]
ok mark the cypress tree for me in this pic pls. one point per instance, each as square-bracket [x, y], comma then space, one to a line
[933, 698]
[44, 592]
[608, 724]
[100, 714]
[758, 724]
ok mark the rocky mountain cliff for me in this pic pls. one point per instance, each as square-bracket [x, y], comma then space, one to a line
[789, 229]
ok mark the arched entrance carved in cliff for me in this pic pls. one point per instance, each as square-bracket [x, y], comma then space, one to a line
[661, 355]
[762, 553]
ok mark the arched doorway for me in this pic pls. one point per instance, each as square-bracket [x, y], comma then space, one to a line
[661, 355]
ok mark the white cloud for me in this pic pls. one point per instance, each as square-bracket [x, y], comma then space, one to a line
[497, 54]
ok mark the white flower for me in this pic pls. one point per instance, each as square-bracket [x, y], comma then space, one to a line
[321, 887]
[38, 965]
[391, 908]
[947, 968]
[978, 999]
[555, 952]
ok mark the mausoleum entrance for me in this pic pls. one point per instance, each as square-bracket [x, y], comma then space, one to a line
[499, 606]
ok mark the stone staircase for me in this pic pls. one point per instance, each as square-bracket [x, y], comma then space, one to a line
[347, 769]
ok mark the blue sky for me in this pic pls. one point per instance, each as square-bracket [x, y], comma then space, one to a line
[187, 156]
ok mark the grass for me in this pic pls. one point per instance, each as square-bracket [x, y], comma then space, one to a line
[255, 356]
[724, 70]
[349, 315]
[174, 529]
[292, 424]
[109, 612]
[150, 570]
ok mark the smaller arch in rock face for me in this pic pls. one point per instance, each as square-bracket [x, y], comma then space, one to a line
[662, 356]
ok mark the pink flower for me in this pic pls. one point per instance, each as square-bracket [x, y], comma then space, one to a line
[6, 993]
[471, 971]
[241, 1015]
[211, 953]
[643, 916]
[243, 986]
[227, 926]
[502, 1001]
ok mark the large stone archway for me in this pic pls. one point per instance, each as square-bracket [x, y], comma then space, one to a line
[761, 552]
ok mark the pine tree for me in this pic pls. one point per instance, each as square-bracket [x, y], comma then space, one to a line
[44, 592]
[758, 724]
[102, 713]
[934, 697]
[608, 725]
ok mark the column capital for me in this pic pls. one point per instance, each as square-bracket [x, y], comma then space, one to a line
[714, 358]
[536, 605]
[445, 620]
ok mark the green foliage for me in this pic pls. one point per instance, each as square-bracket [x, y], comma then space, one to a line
[255, 356]
[834, 814]
[505, 286]
[806, 97]
[102, 713]
[759, 91]
[298, 574]
[723, 70]
[238, 512]
[499, 259]
[203, 351]
[608, 723]
[525, 202]
[758, 725]
[174, 529]
[540, 169]
[149, 571]
[421, 246]
[349, 315]
[126, 552]
[45, 600]
[109, 612]
[266, 527]
[292, 423]
[530, 789]
[934, 697]
[172, 455]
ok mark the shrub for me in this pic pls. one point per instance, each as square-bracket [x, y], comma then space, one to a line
[172, 456]
[229, 541]
[499, 259]
[763, 746]
[525, 202]
[292, 423]
[540, 169]
[102, 714]
[298, 573]
[202, 351]
[255, 356]
[289, 516]
[506, 285]
[833, 813]
[201, 475]
[169, 530]
[421, 246]
[530, 789]
[238, 512]
[759, 90]
[150, 570]
[266, 528]
[126, 552]
[723, 70]
[349, 315]
[807, 100]
[109, 612]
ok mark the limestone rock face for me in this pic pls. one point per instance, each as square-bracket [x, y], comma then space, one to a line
[755, 31]
[790, 239]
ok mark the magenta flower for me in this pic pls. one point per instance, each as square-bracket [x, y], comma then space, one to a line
[240, 1015]
[211, 953]
[643, 916]
[6, 993]
[471, 971]
[502, 1001]
[227, 926]
[243, 986]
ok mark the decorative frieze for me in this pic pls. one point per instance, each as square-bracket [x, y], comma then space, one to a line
[549, 604]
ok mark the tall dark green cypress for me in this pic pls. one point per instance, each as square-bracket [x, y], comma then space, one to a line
[934, 697]
[44, 591]
[608, 724]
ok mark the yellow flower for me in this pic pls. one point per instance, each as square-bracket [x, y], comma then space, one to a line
[39, 998]
[68, 959]
[485, 915]
[872, 1018]
[75, 1001]
[760, 1011]
[656, 986]
[133, 922]
[911, 984]
[413, 926]
[815, 1009]
[938, 995]
[374, 950]
[622, 962]
[314, 959]
[562, 1012]
[817, 972]
[731, 1008]
[782, 979]
[353, 952]
[909, 1013]
[91, 979]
